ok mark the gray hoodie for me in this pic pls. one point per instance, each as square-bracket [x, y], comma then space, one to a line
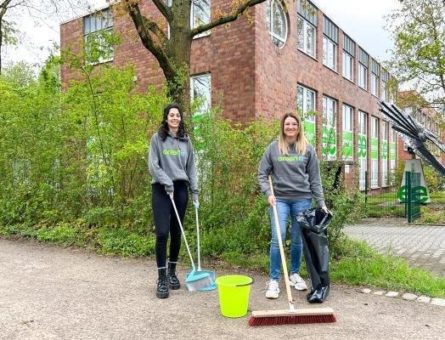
[172, 160]
[294, 176]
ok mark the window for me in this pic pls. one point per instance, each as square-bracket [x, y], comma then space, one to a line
[347, 118]
[329, 140]
[200, 15]
[375, 78]
[384, 153]
[362, 148]
[330, 41]
[384, 91]
[363, 69]
[306, 104]
[374, 152]
[348, 133]
[329, 109]
[277, 22]
[306, 26]
[392, 154]
[348, 58]
[97, 30]
[200, 93]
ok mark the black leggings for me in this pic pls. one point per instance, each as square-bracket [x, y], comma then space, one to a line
[166, 221]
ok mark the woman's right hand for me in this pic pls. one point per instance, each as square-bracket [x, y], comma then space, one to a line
[271, 200]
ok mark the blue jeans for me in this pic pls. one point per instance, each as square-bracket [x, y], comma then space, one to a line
[286, 208]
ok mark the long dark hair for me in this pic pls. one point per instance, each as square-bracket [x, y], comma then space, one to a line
[163, 129]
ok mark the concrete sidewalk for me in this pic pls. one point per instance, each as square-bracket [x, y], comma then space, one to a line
[421, 245]
[48, 292]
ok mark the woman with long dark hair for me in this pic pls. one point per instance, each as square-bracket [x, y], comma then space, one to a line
[171, 163]
[293, 165]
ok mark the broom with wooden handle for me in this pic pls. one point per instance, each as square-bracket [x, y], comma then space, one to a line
[291, 315]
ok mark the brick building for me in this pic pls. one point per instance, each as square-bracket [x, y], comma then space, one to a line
[283, 56]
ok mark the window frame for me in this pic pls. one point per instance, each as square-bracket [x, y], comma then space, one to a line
[330, 44]
[363, 69]
[104, 15]
[303, 109]
[276, 39]
[305, 26]
[194, 3]
[207, 104]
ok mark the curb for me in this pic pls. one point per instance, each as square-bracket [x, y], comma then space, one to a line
[406, 296]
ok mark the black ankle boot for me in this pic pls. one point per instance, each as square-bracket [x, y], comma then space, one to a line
[173, 281]
[162, 285]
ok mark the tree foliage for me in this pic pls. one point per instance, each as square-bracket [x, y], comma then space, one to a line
[418, 27]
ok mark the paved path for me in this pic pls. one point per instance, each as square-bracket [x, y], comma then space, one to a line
[422, 246]
[48, 292]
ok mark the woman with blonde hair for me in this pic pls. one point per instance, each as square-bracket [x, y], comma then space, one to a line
[293, 165]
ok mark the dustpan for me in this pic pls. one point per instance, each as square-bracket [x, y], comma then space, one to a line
[211, 274]
[195, 280]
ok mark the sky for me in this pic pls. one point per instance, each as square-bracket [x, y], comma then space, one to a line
[362, 20]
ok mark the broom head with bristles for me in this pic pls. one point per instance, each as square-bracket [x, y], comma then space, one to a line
[297, 316]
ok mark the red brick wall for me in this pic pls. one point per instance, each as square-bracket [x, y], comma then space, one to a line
[227, 54]
[250, 76]
[278, 71]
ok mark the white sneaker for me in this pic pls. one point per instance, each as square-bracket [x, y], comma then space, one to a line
[273, 291]
[297, 282]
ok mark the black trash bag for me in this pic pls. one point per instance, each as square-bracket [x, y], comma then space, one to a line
[314, 223]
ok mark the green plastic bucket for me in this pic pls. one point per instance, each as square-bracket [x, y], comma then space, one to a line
[233, 293]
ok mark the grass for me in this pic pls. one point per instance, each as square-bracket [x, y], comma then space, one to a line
[361, 265]
[387, 205]
[358, 264]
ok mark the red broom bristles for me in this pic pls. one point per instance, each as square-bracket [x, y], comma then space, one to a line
[290, 319]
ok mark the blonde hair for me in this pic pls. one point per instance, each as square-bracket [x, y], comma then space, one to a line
[301, 142]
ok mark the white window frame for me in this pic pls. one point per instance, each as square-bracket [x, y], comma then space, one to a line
[348, 66]
[348, 124]
[384, 162]
[196, 20]
[305, 44]
[329, 53]
[103, 19]
[199, 88]
[374, 127]
[329, 111]
[348, 120]
[363, 162]
[362, 76]
[303, 95]
[374, 162]
[329, 119]
[362, 122]
[278, 40]
[374, 84]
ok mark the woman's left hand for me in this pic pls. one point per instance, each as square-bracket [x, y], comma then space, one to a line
[325, 209]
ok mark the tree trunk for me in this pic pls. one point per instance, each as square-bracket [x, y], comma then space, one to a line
[178, 50]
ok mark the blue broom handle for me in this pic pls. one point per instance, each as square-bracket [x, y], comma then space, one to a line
[280, 244]
[183, 233]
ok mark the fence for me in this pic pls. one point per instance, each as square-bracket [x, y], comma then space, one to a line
[394, 201]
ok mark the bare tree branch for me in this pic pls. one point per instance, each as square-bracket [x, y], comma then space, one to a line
[144, 26]
[165, 10]
[226, 19]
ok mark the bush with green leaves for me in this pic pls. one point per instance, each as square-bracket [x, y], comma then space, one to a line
[77, 159]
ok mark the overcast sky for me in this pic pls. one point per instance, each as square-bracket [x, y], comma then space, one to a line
[362, 20]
